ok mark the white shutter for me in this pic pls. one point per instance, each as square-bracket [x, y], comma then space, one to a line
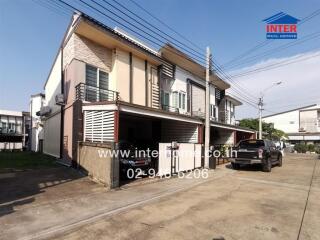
[99, 126]
[182, 132]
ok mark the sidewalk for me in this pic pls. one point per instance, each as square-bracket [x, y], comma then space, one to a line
[38, 220]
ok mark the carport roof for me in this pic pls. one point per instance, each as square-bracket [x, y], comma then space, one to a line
[141, 110]
[231, 127]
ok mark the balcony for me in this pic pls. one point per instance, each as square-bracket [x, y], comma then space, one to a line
[88, 93]
[8, 131]
[169, 108]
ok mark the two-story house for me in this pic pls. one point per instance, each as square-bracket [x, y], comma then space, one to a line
[14, 130]
[107, 86]
[300, 124]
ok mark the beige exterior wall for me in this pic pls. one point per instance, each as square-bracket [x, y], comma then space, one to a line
[98, 168]
[122, 74]
[85, 50]
[68, 134]
[75, 73]
[79, 50]
[138, 81]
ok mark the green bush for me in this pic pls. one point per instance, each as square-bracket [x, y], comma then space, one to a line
[317, 148]
[311, 148]
[301, 148]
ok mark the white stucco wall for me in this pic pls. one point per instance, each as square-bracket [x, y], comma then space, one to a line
[53, 85]
[180, 85]
[287, 122]
[51, 142]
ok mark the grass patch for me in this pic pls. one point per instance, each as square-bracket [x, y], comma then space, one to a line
[25, 160]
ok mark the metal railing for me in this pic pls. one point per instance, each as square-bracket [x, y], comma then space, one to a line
[89, 93]
[9, 131]
[170, 108]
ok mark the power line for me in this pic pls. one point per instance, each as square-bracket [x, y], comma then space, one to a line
[268, 41]
[97, 10]
[125, 26]
[248, 94]
[153, 26]
[278, 49]
[273, 66]
[239, 92]
[52, 7]
[166, 25]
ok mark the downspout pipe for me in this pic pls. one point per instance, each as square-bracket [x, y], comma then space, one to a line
[62, 106]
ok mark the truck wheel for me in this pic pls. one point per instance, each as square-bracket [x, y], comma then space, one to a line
[235, 166]
[266, 167]
[280, 160]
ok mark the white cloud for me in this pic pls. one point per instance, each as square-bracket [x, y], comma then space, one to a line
[300, 84]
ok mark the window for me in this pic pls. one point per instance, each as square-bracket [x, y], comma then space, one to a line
[165, 98]
[251, 144]
[182, 100]
[175, 99]
[4, 127]
[179, 100]
[212, 111]
[11, 127]
[97, 82]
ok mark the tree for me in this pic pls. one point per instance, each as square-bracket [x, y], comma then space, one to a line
[268, 130]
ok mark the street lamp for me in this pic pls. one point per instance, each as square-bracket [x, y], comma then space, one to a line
[260, 104]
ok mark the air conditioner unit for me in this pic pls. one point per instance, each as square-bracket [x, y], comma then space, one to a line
[60, 99]
[44, 111]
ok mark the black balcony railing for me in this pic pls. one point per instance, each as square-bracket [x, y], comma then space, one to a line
[88, 93]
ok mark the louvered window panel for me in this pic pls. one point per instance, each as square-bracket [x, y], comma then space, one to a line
[168, 70]
[91, 76]
[99, 126]
[103, 80]
[218, 94]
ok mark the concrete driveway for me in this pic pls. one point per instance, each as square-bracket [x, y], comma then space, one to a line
[245, 204]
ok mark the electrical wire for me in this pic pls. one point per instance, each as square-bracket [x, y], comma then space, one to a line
[268, 41]
[275, 65]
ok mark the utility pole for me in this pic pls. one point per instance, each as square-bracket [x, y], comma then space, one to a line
[260, 104]
[207, 121]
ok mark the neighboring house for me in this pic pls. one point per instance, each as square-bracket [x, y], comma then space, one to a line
[300, 124]
[14, 130]
[36, 131]
[107, 86]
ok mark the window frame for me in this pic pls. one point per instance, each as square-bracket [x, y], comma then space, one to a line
[96, 88]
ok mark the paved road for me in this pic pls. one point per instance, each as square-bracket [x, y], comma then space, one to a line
[246, 204]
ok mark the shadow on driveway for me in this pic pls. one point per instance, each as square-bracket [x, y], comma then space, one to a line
[19, 188]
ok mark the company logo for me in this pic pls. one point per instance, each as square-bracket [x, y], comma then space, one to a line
[281, 26]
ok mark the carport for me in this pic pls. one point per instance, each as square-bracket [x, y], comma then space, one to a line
[226, 134]
[148, 127]
[139, 126]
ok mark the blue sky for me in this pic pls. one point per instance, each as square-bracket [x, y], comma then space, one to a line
[31, 35]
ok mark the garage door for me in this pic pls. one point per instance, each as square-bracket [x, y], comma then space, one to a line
[182, 132]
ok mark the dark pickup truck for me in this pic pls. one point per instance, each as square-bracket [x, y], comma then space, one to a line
[264, 152]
